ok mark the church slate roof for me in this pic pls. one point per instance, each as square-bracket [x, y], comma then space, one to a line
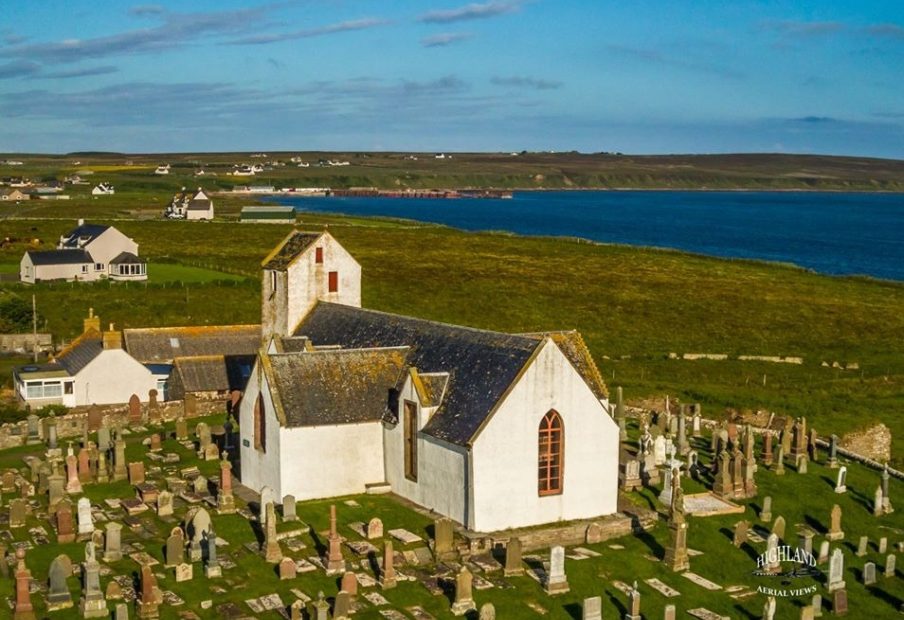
[481, 364]
[164, 344]
[335, 387]
[80, 352]
[293, 245]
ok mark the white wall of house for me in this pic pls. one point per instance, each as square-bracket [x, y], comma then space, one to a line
[326, 461]
[308, 281]
[442, 476]
[199, 214]
[109, 244]
[260, 468]
[112, 377]
[504, 454]
[30, 273]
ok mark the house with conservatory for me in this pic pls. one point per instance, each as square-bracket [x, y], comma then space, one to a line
[86, 253]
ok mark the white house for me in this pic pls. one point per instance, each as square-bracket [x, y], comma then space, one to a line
[88, 252]
[103, 189]
[164, 169]
[493, 430]
[83, 373]
[190, 206]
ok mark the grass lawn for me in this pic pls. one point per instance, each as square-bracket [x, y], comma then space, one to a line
[174, 272]
[802, 499]
[9, 267]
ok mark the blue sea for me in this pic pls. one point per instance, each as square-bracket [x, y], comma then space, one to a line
[828, 232]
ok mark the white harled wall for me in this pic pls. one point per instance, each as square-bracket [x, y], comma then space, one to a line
[111, 378]
[259, 468]
[504, 454]
[442, 468]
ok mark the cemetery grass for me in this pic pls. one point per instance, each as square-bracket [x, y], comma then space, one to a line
[801, 499]
[633, 306]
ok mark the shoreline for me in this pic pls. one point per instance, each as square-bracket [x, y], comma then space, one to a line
[710, 190]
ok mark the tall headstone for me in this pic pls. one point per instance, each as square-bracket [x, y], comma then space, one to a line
[841, 482]
[886, 500]
[769, 608]
[890, 560]
[225, 498]
[198, 528]
[18, 510]
[773, 563]
[65, 526]
[213, 568]
[833, 452]
[73, 484]
[150, 597]
[739, 536]
[23, 609]
[766, 512]
[862, 546]
[335, 563]
[836, 571]
[103, 438]
[120, 472]
[93, 604]
[464, 598]
[135, 410]
[342, 606]
[350, 584]
[835, 532]
[877, 502]
[869, 574]
[633, 612]
[780, 461]
[556, 581]
[778, 527]
[676, 556]
[85, 518]
[272, 552]
[387, 572]
[164, 503]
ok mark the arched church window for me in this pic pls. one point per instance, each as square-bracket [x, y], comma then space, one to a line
[260, 424]
[551, 455]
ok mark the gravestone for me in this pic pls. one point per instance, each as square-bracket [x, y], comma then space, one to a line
[740, 533]
[17, 512]
[773, 563]
[65, 529]
[668, 613]
[184, 572]
[93, 604]
[119, 459]
[593, 534]
[890, 560]
[833, 452]
[288, 508]
[802, 463]
[816, 605]
[513, 565]
[487, 612]
[633, 611]
[877, 502]
[342, 606]
[387, 574]
[151, 596]
[464, 598]
[164, 504]
[869, 574]
[778, 527]
[839, 602]
[836, 571]
[835, 532]
[135, 410]
[287, 569]
[556, 581]
[225, 498]
[95, 419]
[272, 552]
[335, 563]
[103, 438]
[58, 596]
[113, 542]
[443, 539]
[374, 529]
[862, 546]
[592, 609]
[766, 512]
[883, 544]
[823, 552]
[805, 539]
[199, 527]
[213, 568]
[181, 429]
[73, 483]
[85, 518]
[200, 485]
[136, 473]
[841, 480]
[350, 584]
[175, 548]
[156, 443]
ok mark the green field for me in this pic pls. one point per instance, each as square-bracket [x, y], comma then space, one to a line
[634, 306]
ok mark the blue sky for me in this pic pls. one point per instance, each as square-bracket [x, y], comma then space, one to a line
[669, 76]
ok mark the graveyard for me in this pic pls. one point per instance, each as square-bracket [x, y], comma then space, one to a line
[147, 518]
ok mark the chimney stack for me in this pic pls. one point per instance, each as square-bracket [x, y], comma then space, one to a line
[112, 338]
[81, 222]
[92, 322]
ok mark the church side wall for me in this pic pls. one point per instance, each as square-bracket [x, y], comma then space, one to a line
[442, 468]
[327, 461]
[112, 377]
[505, 452]
[259, 468]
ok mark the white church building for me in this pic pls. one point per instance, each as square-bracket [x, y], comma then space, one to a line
[493, 430]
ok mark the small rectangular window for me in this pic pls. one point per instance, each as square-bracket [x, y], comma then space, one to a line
[318, 255]
[98, 266]
[84, 268]
[68, 387]
[334, 282]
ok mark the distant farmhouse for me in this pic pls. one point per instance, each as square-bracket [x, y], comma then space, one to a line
[14, 195]
[187, 205]
[164, 169]
[103, 189]
[88, 252]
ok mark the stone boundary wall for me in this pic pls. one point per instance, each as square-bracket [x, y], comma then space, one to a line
[24, 343]
[73, 423]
